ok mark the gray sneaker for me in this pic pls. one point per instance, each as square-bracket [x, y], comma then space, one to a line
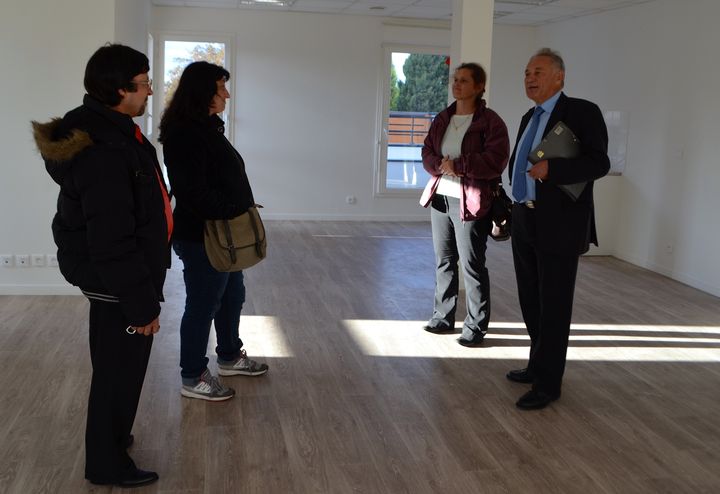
[242, 366]
[208, 388]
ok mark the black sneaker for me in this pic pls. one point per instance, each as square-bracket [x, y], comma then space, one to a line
[475, 340]
[438, 328]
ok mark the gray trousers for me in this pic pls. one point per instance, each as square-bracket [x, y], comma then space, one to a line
[464, 242]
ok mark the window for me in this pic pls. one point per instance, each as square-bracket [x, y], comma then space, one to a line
[176, 53]
[415, 89]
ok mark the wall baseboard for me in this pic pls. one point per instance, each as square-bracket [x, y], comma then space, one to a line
[44, 289]
[681, 277]
[344, 217]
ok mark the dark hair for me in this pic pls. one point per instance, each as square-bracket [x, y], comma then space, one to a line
[478, 74]
[110, 69]
[193, 96]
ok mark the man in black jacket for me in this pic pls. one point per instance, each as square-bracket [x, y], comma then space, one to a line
[550, 230]
[112, 230]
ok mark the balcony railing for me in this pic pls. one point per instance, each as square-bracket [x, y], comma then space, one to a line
[408, 128]
[406, 134]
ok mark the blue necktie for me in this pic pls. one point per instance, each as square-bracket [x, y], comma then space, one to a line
[519, 185]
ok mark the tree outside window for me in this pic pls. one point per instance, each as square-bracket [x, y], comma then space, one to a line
[180, 54]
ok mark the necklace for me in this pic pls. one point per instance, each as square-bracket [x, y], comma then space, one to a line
[462, 121]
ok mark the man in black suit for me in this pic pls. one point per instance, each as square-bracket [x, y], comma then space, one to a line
[550, 230]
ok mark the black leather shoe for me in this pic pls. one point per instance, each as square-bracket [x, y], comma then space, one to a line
[138, 478]
[520, 376]
[440, 329]
[133, 478]
[535, 400]
[129, 441]
[476, 340]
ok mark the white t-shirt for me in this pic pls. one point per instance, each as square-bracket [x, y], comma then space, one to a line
[451, 147]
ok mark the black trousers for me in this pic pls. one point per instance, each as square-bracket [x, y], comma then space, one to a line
[119, 361]
[546, 286]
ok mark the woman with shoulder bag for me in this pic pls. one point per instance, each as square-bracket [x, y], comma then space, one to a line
[208, 179]
[465, 151]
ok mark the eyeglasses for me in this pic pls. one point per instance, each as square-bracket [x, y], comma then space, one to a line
[147, 83]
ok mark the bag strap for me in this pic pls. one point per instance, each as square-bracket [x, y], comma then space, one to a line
[228, 237]
[254, 225]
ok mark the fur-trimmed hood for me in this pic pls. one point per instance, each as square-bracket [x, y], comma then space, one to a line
[61, 149]
[59, 143]
[62, 141]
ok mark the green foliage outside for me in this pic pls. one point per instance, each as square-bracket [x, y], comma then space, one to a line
[426, 84]
[394, 89]
[207, 52]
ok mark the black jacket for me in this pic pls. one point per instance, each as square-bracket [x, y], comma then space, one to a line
[110, 226]
[565, 226]
[207, 176]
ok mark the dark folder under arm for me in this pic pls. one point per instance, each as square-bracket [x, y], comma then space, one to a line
[560, 142]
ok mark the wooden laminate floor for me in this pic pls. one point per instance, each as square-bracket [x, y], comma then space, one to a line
[360, 399]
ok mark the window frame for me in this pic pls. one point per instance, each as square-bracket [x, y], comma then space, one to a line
[383, 110]
[161, 37]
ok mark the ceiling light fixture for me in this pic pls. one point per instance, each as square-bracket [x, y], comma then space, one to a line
[536, 3]
[277, 3]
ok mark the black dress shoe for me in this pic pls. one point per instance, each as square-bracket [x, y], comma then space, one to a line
[129, 441]
[520, 376]
[133, 478]
[138, 478]
[439, 329]
[476, 340]
[535, 400]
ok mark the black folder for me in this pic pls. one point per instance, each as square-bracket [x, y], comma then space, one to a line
[560, 142]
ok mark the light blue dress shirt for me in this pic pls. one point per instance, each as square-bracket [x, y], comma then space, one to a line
[548, 106]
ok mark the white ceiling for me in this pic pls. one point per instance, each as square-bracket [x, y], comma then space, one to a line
[512, 12]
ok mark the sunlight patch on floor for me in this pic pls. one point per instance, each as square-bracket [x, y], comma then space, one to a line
[642, 343]
[263, 336]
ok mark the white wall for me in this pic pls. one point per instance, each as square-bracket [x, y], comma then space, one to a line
[44, 45]
[305, 90]
[658, 62]
[132, 25]
[132, 20]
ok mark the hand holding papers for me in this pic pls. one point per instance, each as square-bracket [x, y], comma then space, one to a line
[560, 142]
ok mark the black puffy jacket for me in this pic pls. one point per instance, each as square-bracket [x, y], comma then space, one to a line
[110, 226]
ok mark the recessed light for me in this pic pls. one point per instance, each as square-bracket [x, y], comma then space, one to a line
[377, 7]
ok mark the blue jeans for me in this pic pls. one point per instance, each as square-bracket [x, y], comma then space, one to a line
[209, 295]
[465, 243]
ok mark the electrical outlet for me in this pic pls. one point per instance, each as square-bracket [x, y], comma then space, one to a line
[37, 260]
[7, 260]
[52, 260]
[22, 260]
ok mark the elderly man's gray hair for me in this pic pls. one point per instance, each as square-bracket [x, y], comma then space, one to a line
[552, 55]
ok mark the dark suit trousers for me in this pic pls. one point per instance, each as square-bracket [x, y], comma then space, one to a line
[546, 285]
[119, 361]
